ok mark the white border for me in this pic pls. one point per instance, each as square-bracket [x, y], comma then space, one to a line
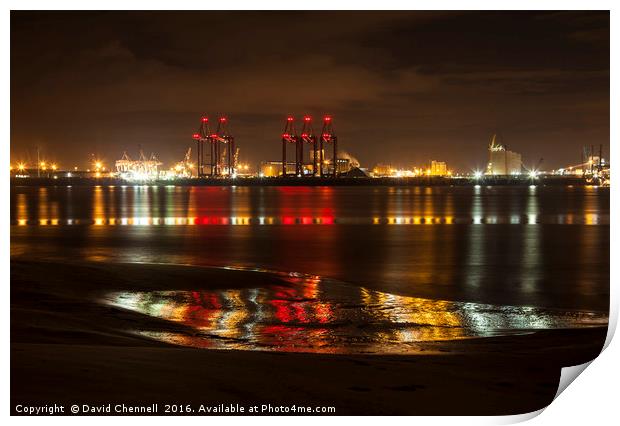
[591, 399]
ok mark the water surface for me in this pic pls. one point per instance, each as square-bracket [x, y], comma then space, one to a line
[545, 247]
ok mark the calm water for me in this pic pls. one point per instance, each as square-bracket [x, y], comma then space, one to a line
[402, 264]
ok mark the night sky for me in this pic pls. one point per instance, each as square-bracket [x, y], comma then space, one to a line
[402, 87]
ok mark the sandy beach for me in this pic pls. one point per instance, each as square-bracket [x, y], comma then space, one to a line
[68, 348]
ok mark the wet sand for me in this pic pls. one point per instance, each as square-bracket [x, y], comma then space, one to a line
[67, 348]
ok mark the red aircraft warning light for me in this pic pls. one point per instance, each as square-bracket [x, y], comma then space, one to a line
[222, 119]
[327, 118]
[307, 118]
[205, 119]
[289, 118]
[196, 136]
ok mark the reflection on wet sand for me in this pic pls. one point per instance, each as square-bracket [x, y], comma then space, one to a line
[307, 314]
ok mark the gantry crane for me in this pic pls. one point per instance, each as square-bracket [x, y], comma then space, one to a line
[308, 138]
[202, 137]
[219, 138]
[328, 136]
[218, 166]
[289, 136]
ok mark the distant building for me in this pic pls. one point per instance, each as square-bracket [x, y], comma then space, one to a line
[381, 170]
[141, 169]
[343, 165]
[438, 168]
[502, 161]
[274, 168]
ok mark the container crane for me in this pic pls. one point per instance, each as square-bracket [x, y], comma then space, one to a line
[289, 136]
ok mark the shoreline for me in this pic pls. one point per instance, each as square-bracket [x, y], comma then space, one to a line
[309, 181]
[58, 335]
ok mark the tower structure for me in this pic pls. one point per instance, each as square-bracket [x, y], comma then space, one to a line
[328, 136]
[289, 137]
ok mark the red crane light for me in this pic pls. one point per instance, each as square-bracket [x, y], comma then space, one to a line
[205, 119]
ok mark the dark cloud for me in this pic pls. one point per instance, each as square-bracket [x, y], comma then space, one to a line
[403, 87]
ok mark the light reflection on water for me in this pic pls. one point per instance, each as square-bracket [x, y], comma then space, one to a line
[146, 205]
[588, 219]
[543, 246]
[306, 314]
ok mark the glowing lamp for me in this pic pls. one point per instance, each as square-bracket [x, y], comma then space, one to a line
[196, 136]
[222, 119]
[307, 118]
[328, 119]
[289, 119]
[205, 119]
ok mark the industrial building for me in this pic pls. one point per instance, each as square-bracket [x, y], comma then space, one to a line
[274, 168]
[502, 161]
[438, 168]
[382, 170]
[140, 170]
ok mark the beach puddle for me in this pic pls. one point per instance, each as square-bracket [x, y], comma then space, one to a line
[310, 314]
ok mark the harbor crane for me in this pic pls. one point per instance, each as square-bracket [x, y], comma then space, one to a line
[308, 138]
[221, 149]
[290, 137]
[328, 136]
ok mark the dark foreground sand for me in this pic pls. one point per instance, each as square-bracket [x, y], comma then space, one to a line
[67, 349]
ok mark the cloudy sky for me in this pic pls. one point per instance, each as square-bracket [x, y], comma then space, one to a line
[403, 87]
